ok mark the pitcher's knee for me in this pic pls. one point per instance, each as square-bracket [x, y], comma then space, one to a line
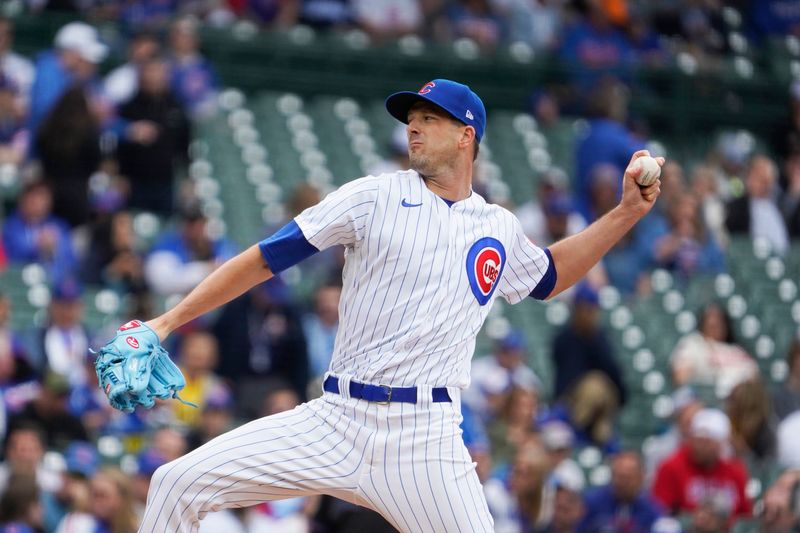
[171, 482]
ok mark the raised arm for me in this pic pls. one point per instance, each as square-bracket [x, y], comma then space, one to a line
[574, 256]
[231, 279]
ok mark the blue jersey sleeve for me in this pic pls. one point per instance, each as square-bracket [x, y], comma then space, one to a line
[548, 281]
[287, 247]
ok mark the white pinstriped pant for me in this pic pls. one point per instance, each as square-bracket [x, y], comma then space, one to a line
[406, 461]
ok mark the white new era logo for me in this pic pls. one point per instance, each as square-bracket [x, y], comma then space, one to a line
[469, 115]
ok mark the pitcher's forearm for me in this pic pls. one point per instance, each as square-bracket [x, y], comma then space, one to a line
[577, 254]
[231, 279]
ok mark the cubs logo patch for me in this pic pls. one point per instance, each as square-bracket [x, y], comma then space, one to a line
[132, 342]
[130, 325]
[425, 89]
[485, 261]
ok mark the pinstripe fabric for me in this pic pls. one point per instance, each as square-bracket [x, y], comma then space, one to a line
[409, 314]
[406, 461]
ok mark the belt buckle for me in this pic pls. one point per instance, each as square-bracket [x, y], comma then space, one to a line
[388, 395]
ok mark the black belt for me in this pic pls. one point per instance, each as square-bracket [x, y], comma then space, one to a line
[383, 393]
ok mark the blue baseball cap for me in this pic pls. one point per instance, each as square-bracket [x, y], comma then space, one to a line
[82, 458]
[514, 340]
[455, 98]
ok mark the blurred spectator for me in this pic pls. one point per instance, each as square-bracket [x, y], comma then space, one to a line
[757, 214]
[14, 136]
[387, 19]
[114, 257]
[197, 358]
[593, 48]
[621, 505]
[180, 259]
[493, 376]
[687, 249]
[280, 398]
[536, 22]
[326, 14]
[20, 509]
[711, 515]
[269, 13]
[513, 424]
[774, 17]
[15, 368]
[710, 355]
[111, 507]
[64, 341]
[523, 501]
[732, 152]
[786, 396]
[169, 443]
[216, 417]
[550, 215]
[788, 451]
[156, 141]
[68, 144]
[24, 453]
[16, 69]
[752, 429]
[278, 349]
[32, 234]
[647, 46]
[475, 19]
[699, 471]
[780, 511]
[701, 27]
[568, 506]
[194, 80]
[558, 440]
[320, 328]
[49, 411]
[148, 14]
[657, 448]
[147, 462]
[587, 377]
[82, 461]
[122, 83]
[73, 60]
[791, 199]
[607, 140]
[704, 186]
[477, 442]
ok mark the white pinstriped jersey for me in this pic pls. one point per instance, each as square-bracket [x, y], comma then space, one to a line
[419, 278]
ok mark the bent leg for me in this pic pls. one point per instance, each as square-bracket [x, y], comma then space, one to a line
[314, 448]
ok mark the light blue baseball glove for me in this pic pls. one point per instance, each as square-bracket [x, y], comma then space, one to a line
[134, 369]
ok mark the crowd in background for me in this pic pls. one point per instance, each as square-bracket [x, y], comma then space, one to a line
[91, 150]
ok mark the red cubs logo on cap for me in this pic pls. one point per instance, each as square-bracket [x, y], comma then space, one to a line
[425, 89]
[130, 325]
[485, 261]
[132, 342]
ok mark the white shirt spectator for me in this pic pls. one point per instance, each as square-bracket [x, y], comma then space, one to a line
[20, 71]
[714, 363]
[767, 223]
[788, 450]
[388, 15]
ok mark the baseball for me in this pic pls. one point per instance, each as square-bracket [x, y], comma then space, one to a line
[650, 171]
